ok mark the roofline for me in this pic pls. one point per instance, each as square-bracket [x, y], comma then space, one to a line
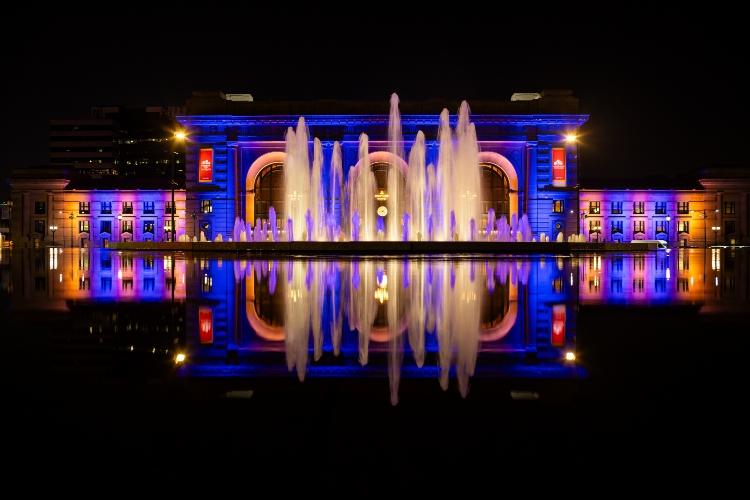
[377, 119]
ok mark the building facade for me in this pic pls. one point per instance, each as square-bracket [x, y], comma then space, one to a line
[235, 162]
[527, 166]
[50, 209]
[118, 141]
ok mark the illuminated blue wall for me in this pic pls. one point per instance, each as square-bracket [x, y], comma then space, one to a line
[526, 141]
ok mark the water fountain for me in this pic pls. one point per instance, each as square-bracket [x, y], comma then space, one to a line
[425, 203]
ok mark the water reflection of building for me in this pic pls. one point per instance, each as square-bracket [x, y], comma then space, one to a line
[424, 317]
[421, 318]
[92, 305]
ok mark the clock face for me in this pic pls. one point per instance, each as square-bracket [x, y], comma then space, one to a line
[382, 211]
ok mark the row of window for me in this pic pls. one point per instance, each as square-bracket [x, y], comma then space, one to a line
[639, 207]
[639, 226]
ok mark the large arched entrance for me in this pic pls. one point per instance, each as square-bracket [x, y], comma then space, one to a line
[499, 185]
[269, 191]
[264, 187]
[495, 192]
[381, 163]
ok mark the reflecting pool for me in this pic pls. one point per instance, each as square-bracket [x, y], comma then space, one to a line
[350, 364]
[446, 319]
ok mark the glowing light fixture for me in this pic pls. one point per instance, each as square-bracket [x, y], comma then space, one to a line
[571, 138]
[570, 356]
[180, 135]
[180, 358]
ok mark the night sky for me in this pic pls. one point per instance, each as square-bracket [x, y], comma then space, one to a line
[667, 91]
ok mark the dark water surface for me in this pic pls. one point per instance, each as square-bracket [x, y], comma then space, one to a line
[349, 368]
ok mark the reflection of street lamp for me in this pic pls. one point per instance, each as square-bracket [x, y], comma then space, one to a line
[669, 239]
[71, 217]
[53, 228]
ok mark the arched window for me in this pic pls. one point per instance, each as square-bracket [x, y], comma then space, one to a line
[269, 191]
[495, 190]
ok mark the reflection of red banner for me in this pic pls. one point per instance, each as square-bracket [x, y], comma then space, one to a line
[206, 325]
[206, 165]
[558, 325]
[558, 166]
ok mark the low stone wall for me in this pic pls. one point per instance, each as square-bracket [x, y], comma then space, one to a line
[384, 247]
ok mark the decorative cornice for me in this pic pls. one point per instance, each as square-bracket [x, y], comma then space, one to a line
[378, 120]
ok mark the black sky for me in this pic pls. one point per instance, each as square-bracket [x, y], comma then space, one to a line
[666, 89]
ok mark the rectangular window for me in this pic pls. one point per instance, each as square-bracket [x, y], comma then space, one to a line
[639, 207]
[729, 208]
[661, 208]
[148, 226]
[168, 225]
[206, 207]
[616, 207]
[148, 207]
[594, 207]
[105, 226]
[638, 285]
[39, 226]
[730, 227]
[127, 226]
[616, 285]
[84, 207]
[595, 226]
[84, 283]
[639, 226]
[683, 226]
[40, 208]
[683, 207]
[149, 284]
[127, 207]
[83, 226]
[168, 208]
[106, 284]
[661, 226]
[616, 227]
[106, 207]
[558, 206]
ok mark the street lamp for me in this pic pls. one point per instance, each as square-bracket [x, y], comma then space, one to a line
[119, 223]
[669, 239]
[716, 230]
[53, 228]
[194, 216]
[180, 136]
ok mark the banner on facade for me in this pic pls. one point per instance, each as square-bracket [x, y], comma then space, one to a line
[206, 165]
[558, 167]
[206, 325]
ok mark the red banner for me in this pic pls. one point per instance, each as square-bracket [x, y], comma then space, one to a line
[558, 325]
[206, 325]
[558, 166]
[206, 165]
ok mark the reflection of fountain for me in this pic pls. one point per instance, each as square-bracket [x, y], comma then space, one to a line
[413, 297]
[296, 317]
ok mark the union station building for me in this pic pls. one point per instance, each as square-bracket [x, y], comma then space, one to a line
[234, 167]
